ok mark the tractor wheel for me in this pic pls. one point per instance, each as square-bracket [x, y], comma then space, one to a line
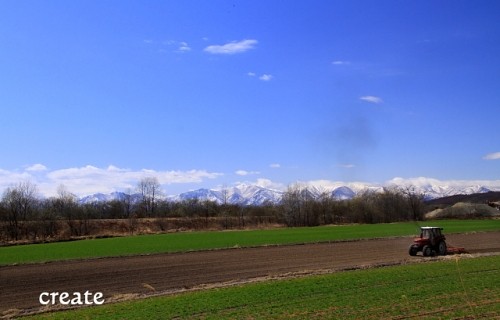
[427, 251]
[442, 248]
[413, 250]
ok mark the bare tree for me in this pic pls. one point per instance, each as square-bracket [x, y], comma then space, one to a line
[48, 223]
[415, 201]
[224, 204]
[292, 206]
[150, 190]
[65, 206]
[20, 202]
[66, 198]
[324, 207]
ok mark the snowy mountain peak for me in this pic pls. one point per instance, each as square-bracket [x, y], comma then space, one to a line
[343, 193]
[251, 194]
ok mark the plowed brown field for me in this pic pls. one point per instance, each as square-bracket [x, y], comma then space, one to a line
[20, 286]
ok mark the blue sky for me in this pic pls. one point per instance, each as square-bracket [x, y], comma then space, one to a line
[96, 94]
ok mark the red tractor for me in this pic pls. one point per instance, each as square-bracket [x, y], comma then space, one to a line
[430, 242]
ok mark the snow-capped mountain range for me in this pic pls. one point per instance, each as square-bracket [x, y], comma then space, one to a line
[251, 194]
[101, 197]
[244, 194]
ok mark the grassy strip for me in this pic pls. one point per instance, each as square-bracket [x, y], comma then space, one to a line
[188, 241]
[460, 288]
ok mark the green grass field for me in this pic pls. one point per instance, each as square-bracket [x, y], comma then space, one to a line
[455, 288]
[189, 241]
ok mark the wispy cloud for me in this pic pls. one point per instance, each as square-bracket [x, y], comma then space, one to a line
[266, 77]
[347, 166]
[168, 45]
[263, 77]
[183, 47]
[340, 62]
[275, 165]
[246, 173]
[492, 156]
[232, 47]
[371, 99]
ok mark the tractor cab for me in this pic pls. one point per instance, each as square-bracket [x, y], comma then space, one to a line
[430, 242]
[431, 234]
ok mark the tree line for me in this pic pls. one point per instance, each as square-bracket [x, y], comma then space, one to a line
[26, 216]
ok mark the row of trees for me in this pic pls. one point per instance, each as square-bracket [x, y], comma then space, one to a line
[300, 208]
[24, 215]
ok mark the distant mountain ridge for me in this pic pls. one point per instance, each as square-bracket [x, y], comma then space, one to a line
[490, 196]
[250, 194]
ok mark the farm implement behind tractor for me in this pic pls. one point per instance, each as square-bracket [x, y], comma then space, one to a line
[432, 242]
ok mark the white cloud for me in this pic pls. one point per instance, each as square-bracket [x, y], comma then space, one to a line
[492, 156]
[340, 62]
[191, 176]
[113, 178]
[251, 74]
[232, 47]
[90, 179]
[372, 99]
[419, 181]
[246, 173]
[36, 167]
[266, 183]
[266, 77]
[10, 178]
[275, 165]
